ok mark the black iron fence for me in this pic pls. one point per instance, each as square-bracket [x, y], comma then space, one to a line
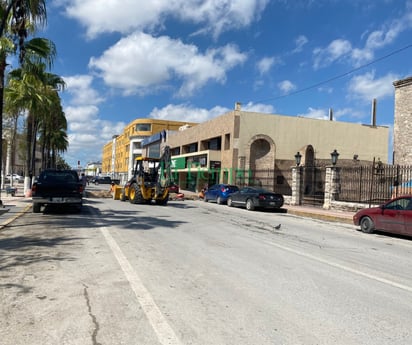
[374, 184]
[279, 181]
[362, 184]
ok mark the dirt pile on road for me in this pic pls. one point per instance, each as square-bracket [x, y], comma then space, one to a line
[99, 194]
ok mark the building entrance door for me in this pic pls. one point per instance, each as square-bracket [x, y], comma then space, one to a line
[314, 185]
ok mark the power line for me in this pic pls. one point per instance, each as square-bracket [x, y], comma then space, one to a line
[337, 76]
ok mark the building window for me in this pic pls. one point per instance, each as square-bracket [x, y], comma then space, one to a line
[192, 148]
[175, 151]
[144, 127]
[227, 141]
[197, 161]
[154, 150]
[215, 144]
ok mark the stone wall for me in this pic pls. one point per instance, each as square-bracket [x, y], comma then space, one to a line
[402, 130]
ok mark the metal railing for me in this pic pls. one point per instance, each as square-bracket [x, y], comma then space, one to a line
[276, 180]
[375, 183]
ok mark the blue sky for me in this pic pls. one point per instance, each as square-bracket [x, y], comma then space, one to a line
[192, 60]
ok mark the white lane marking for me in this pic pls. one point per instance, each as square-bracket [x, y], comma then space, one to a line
[342, 267]
[164, 332]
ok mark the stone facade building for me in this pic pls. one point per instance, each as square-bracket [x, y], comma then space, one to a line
[402, 130]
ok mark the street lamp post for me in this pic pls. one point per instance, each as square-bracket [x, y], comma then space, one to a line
[332, 181]
[297, 181]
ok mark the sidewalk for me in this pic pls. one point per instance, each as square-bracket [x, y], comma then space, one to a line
[320, 213]
[13, 206]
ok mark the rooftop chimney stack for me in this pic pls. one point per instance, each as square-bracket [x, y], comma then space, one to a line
[374, 112]
[237, 106]
[330, 114]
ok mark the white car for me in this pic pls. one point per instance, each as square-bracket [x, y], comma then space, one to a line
[15, 177]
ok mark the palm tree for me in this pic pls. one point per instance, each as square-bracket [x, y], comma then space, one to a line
[53, 133]
[35, 90]
[16, 16]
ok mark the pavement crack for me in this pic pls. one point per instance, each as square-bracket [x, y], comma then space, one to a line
[93, 317]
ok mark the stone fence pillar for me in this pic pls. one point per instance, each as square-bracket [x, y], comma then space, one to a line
[332, 186]
[297, 185]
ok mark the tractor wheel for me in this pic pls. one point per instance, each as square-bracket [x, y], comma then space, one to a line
[163, 202]
[122, 196]
[135, 195]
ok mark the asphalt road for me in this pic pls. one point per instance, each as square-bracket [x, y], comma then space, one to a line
[199, 273]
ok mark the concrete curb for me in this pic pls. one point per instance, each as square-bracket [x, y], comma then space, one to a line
[326, 217]
[12, 219]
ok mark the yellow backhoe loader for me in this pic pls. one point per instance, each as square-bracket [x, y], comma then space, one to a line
[150, 181]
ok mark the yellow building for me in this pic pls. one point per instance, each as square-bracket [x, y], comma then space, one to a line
[120, 153]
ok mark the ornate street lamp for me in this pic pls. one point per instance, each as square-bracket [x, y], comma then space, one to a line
[334, 157]
[298, 158]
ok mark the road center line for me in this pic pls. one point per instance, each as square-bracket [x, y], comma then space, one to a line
[342, 267]
[164, 331]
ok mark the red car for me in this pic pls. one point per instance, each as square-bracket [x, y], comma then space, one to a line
[394, 216]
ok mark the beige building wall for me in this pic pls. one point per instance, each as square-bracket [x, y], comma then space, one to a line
[259, 141]
[290, 134]
[402, 130]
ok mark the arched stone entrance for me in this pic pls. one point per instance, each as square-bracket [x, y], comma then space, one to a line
[313, 178]
[260, 160]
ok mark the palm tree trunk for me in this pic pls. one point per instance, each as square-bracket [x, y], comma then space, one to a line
[33, 155]
[13, 145]
[28, 174]
[2, 70]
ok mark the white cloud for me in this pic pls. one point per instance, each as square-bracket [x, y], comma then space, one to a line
[348, 113]
[326, 89]
[337, 114]
[265, 64]
[125, 65]
[300, 42]
[80, 88]
[365, 87]
[186, 113]
[385, 35]
[86, 144]
[334, 51]
[313, 113]
[258, 108]
[286, 86]
[381, 38]
[87, 133]
[126, 16]
[81, 114]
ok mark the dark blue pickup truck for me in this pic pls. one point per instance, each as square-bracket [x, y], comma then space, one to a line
[57, 187]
